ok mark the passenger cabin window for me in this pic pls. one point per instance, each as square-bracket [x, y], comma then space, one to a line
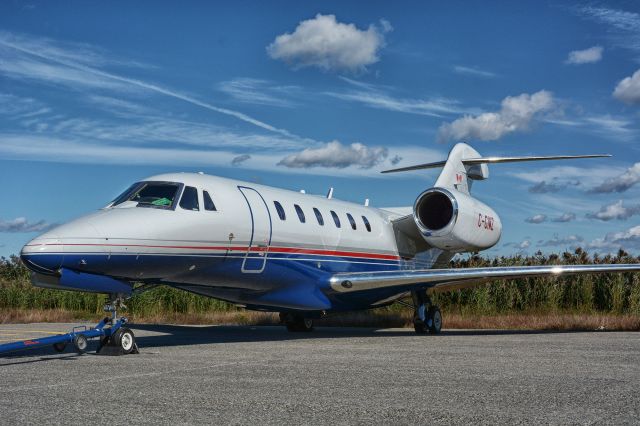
[300, 213]
[280, 210]
[150, 194]
[366, 224]
[189, 200]
[336, 219]
[351, 221]
[319, 216]
[208, 202]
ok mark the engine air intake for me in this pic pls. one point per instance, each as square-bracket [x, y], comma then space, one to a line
[435, 210]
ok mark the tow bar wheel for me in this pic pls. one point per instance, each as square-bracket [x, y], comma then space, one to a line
[60, 347]
[80, 342]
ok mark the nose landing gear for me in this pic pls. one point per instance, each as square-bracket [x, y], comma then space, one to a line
[120, 341]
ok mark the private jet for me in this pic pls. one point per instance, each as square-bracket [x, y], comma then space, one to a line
[269, 249]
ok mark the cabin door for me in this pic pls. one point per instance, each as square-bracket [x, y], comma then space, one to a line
[255, 259]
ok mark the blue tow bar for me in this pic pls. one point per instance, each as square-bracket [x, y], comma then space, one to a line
[79, 336]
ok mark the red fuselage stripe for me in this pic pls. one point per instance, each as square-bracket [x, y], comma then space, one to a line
[270, 249]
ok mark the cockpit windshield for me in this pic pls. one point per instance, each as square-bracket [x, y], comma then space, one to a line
[150, 194]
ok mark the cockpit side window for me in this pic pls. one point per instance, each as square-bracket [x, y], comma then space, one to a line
[126, 194]
[152, 194]
[208, 202]
[189, 200]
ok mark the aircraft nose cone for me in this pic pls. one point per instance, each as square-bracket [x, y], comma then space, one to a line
[43, 254]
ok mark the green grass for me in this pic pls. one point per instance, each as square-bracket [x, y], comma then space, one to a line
[611, 294]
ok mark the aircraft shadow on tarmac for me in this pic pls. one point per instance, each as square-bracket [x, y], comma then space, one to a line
[164, 335]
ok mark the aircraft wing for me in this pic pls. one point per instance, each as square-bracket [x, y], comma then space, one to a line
[453, 279]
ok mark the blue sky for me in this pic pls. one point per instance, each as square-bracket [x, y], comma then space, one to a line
[97, 95]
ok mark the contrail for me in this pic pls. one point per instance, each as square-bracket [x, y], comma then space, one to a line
[152, 87]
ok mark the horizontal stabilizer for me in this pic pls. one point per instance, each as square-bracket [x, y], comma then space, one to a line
[493, 160]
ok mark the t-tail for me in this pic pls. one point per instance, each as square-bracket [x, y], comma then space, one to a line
[446, 216]
[464, 165]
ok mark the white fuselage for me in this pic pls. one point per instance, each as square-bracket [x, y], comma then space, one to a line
[242, 246]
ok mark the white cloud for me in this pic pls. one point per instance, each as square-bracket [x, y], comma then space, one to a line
[616, 210]
[21, 224]
[28, 59]
[619, 183]
[330, 45]
[553, 186]
[336, 155]
[258, 92]
[608, 126]
[568, 241]
[628, 89]
[586, 56]
[473, 71]
[536, 219]
[117, 105]
[516, 114]
[20, 107]
[628, 239]
[564, 217]
[379, 97]
[623, 27]
[90, 151]
[524, 245]
[521, 246]
[569, 175]
[430, 107]
[236, 161]
[158, 130]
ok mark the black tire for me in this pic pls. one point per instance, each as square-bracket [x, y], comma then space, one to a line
[81, 343]
[104, 341]
[124, 339]
[435, 317]
[298, 323]
[419, 326]
[60, 347]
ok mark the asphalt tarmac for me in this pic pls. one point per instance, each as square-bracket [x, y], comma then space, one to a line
[242, 375]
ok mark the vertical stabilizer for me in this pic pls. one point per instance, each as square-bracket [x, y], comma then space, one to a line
[456, 175]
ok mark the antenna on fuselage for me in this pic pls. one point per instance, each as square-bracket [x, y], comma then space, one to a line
[302, 191]
[330, 193]
[366, 202]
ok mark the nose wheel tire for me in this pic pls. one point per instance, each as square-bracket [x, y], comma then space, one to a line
[124, 339]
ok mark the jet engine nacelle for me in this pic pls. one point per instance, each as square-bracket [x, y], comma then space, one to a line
[454, 221]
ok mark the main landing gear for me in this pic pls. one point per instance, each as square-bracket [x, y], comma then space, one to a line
[296, 322]
[426, 316]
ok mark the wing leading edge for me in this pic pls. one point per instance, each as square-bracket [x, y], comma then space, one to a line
[453, 279]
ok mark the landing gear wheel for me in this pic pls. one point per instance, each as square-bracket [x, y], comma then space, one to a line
[124, 339]
[80, 342]
[59, 347]
[297, 323]
[435, 320]
[419, 326]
